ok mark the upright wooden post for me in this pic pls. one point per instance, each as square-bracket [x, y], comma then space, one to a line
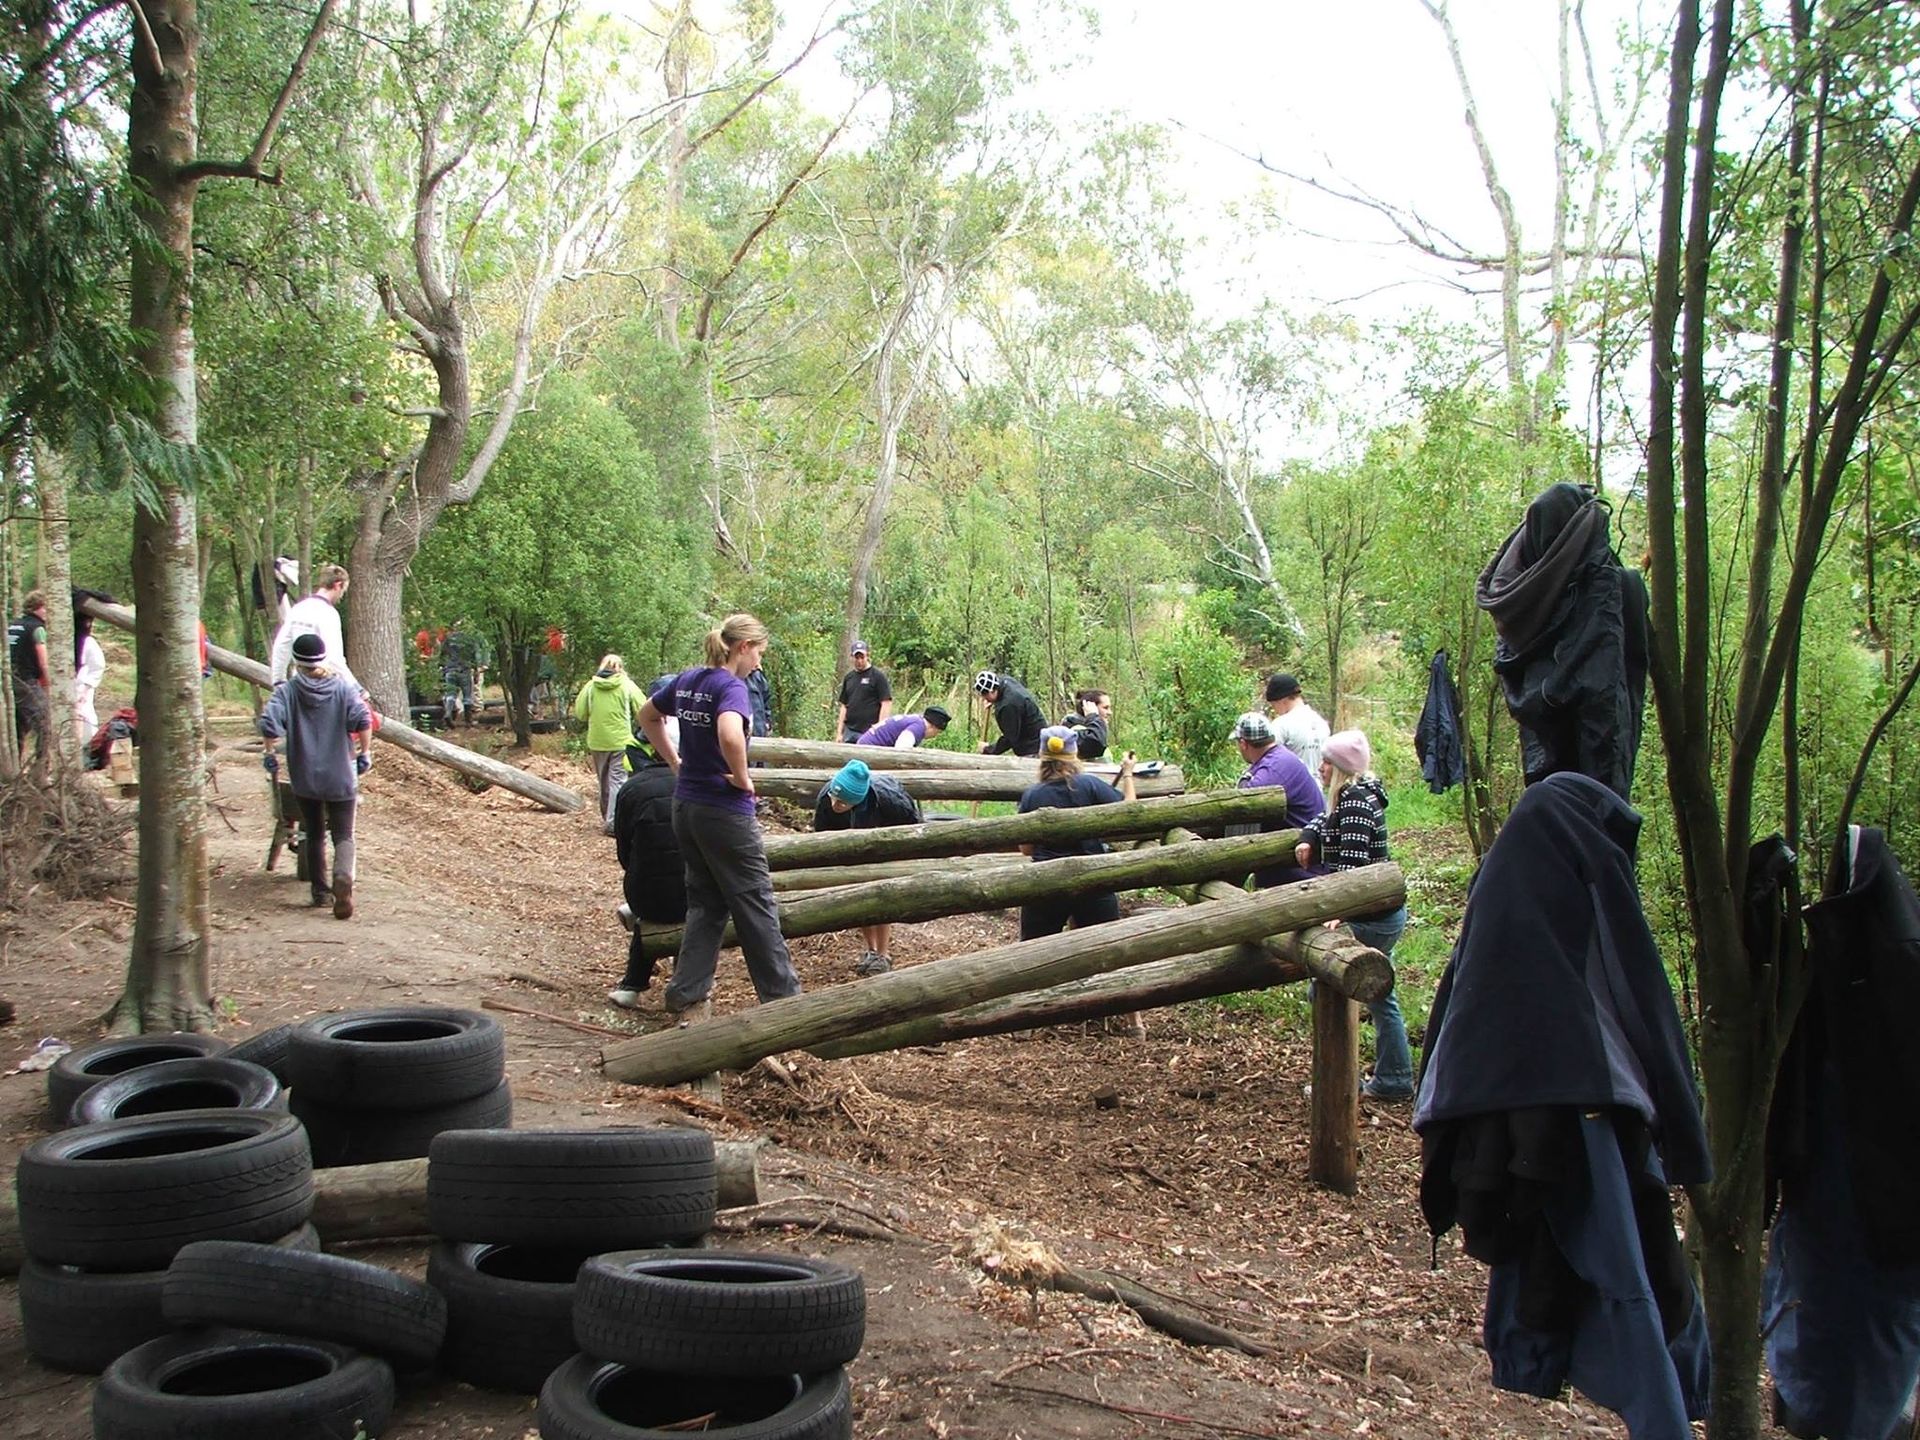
[1333, 1145]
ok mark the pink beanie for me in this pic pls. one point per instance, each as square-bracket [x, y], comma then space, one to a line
[1349, 751]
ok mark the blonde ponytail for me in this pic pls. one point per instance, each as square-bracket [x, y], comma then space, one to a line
[737, 629]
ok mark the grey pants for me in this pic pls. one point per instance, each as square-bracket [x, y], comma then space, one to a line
[606, 769]
[726, 875]
[318, 820]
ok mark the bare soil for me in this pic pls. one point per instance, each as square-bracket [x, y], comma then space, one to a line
[922, 1168]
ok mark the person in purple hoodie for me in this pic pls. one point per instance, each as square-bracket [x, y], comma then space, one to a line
[714, 821]
[905, 732]
[1271, 763]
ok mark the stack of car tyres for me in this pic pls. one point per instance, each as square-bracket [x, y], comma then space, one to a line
[374, 1085]
[519, 1212]
[271, 1343]
[722, 1342]
[158, 1153]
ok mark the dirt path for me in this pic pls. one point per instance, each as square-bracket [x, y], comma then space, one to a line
[1192, 1184]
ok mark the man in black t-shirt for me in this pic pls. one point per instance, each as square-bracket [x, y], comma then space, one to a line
[866, 696]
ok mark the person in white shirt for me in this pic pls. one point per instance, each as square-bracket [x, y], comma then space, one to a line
[1296, 724]
[318, 614]
[89, 668]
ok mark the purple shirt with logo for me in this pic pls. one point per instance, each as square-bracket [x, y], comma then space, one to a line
[887, 732]
[1280, 767]
[699, 697]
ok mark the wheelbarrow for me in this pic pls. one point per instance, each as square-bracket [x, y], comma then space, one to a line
[286, 828]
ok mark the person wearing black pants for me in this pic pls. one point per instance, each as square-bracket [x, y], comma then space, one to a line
[1063, 783]
[654, 875]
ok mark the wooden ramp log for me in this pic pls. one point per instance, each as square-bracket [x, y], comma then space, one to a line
[737, 1041]
[392, 732]
[1224, 970]
[804, 786]
[833, 877]
[782, 751]
[388, 1201]
[1359, 972]
[930, 897]
[1136, 819]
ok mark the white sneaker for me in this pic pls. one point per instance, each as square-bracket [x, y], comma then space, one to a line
[623, 912]
[625, 999]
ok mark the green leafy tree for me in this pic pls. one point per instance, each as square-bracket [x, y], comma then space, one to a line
[569, 532]
[1195, 687]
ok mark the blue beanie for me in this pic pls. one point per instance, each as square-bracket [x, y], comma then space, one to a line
[852, 783]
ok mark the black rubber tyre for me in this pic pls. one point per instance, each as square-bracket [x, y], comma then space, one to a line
[406, 1058]
[318, 1297]
[587, 1399]
[718, 1312]
[84, 1320]
[218, 1082]
[241, 1385]
[348, 1135]
[509, 1312]
[127, 1194]
[268, 1049]
[79, 1070]
[594, 1189]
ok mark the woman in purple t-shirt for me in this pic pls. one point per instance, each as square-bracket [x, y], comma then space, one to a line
[714, 821]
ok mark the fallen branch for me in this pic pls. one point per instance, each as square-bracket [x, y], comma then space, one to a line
[1221, 1426]
[507, 1007]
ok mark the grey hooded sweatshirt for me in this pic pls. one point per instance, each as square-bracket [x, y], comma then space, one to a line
[316, 716]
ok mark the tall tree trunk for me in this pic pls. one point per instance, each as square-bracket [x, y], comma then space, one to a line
[56, 578]
[169, 980]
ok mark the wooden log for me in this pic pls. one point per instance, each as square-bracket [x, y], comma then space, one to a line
[392, 732]
[1333, 1141]
[781, 751]
[737, 1041]
[1359, 972]
[388, 1201]
[804, 786]
[929, 897]
[1224, 970]
[832, 877]
[1209, 809]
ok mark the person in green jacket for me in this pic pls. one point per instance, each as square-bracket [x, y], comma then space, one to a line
[610, 704]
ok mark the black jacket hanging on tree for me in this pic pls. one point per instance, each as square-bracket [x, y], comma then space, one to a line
[1436, 739]
[1572, 649]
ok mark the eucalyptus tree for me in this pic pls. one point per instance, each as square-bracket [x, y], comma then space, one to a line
[1810, 198]
[490, 160]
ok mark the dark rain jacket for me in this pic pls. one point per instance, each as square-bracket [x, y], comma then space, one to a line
[886, 804]
[1018, 715]
[1572, 647]
[1556, 1106]
[1092, 733]
[1436, 739]
[655, 878]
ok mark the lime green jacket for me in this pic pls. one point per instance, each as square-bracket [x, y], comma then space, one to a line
[610, 704]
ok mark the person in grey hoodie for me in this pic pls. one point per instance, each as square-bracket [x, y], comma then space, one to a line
[327, 729]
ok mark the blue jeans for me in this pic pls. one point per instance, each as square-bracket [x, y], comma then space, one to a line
[1392, 1058]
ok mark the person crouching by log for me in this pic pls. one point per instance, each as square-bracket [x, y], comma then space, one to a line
[328, 729]
[1352, 832]
[654, 875]
[1063, 784]
[906, 732]
[857, 799]
[713, 819]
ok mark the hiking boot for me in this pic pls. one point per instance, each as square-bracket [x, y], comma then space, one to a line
[1373, 1090]
[343, 898]
[695, 1013]
[872, 962]
[623, 912]
[319, 898]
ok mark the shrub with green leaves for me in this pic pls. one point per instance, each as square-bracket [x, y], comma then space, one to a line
[1195, 688]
